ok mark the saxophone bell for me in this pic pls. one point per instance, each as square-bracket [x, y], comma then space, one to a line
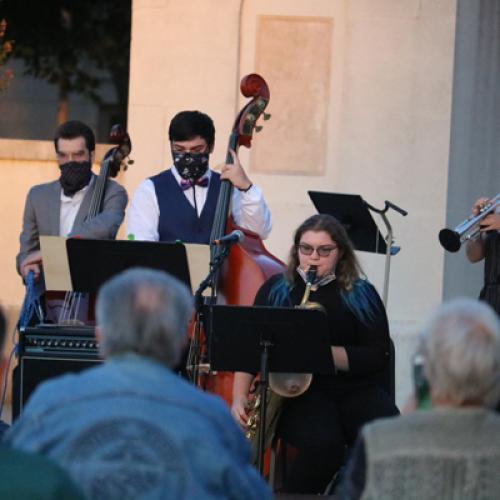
[290, 385]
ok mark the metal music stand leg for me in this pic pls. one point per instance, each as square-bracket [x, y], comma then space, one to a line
[389, 242]
[263, 384]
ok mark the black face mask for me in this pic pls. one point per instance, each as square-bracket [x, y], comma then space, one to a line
[75, 175]
[191, 166]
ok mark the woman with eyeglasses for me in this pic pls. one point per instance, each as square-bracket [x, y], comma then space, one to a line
[323, 421]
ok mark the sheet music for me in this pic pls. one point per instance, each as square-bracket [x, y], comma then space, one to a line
[55, 263]
[198, 257]
[58, 277]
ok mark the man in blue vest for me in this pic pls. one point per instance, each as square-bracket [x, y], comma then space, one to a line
[179, 203]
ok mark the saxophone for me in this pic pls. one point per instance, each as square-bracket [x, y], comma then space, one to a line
[290, 385]
[282, 385]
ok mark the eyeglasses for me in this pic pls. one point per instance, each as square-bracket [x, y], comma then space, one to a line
[322, 251]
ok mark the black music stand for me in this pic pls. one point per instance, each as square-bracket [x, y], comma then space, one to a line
[92, 262]
[263, 339]
[354, 214]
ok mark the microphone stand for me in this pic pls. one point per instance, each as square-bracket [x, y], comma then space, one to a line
[193, 365]
[391, 249]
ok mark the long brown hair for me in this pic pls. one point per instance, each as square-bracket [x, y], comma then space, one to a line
[348, 269]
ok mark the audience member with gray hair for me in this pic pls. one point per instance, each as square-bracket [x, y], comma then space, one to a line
[452, 449]
[145, 312]
[131, 428]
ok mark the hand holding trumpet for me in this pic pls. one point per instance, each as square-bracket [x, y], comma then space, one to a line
[483, 218]
[484, 212]
[491, 222]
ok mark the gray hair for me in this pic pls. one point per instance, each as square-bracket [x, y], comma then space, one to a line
[461, 347]
[145, 312]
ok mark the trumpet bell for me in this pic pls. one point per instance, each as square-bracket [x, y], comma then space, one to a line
[290, 385]
[450, 240]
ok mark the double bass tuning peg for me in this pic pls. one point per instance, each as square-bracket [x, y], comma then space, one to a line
[127, 163]
[265, 117]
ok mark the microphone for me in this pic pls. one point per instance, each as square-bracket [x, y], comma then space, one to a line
[233, 237]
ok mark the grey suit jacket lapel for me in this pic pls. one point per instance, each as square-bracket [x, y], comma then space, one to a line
[53, 208]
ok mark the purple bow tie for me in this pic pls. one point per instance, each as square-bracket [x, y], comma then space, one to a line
[185, 184]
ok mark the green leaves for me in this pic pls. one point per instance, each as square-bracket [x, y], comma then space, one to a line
[74, 44]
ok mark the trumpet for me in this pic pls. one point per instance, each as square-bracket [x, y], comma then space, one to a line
[469, 229]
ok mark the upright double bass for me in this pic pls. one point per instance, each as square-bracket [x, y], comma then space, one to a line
[71, 310]
[249, 264]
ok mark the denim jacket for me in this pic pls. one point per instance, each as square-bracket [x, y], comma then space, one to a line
[130, 428]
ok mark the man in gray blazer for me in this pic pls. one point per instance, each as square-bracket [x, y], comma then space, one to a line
[60, 208]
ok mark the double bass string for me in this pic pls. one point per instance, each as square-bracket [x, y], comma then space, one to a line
[72, 300]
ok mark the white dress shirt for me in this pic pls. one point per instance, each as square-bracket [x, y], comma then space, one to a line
[249, 209]
[69, 208]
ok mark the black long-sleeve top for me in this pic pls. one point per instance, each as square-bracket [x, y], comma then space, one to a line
[366, 343]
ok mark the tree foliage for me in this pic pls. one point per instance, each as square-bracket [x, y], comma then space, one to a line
[64, 41]
[5, 49]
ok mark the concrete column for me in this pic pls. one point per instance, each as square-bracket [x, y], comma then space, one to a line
[474, 168]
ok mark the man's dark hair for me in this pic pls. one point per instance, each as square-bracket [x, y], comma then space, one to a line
[3, 329]
[74, 129]
[186, 125]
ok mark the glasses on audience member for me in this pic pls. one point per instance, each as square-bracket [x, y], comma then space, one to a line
[322, 251]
